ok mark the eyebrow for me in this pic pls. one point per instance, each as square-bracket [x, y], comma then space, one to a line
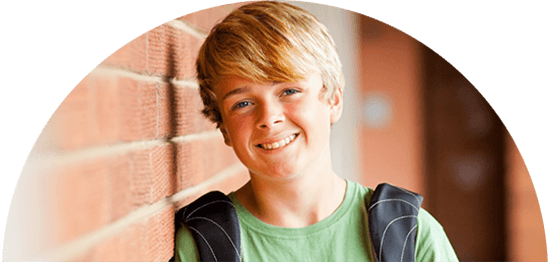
[236, 91]
[241, 90]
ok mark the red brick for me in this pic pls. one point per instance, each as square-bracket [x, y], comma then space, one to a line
[165, 109]
[75, 128]
[120, 179]
[189, 164]
[78, 199]
[201, 159]
[87, 195]
[122, 247]
[106, 109]
[149, 240]
[152, 174]
[138, 109]
[162, 161]
[205, 19]
[188, 118]
[160, 54]
[132, 56]
[160, 231]
[139, 178]
[172, 52]
[186, 52]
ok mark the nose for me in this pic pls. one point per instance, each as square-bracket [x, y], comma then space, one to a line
[270, 114]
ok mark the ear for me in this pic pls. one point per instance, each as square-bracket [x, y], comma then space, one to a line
[336, 105]
[222, 128]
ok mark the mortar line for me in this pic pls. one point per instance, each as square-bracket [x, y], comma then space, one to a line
[73, 249]
[184, 83]
[110, 71]
[61, 158]
[225, 173]
[54, 159]
[197, 136]
[178, 24]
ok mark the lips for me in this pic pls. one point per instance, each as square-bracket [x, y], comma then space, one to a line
[278, 144]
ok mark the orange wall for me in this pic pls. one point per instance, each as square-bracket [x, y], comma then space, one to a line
[390, 68]
[525, 231]
[411, 149]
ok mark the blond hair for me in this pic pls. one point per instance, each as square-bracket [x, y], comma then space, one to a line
[266, 41]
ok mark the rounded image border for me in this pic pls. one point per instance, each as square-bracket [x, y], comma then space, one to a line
[49, 47]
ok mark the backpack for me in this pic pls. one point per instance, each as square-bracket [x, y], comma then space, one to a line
[393, 211]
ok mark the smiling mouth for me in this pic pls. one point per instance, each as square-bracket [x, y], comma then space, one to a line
[278, 144]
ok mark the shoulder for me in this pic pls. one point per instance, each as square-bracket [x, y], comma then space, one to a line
[186, 248]
[428, 224]
[209, 216]
[432, 243]
[360, 191]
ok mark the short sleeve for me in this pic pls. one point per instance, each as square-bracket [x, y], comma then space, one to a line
[185, 247]
[432, 243]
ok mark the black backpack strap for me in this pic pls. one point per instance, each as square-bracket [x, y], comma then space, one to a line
[214, 224]
[393, 223]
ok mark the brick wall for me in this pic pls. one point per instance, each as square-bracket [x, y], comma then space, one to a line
[128, 147]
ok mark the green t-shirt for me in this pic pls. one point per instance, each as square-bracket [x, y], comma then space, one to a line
[343, 236]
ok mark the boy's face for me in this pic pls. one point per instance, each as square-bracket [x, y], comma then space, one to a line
[278, 130]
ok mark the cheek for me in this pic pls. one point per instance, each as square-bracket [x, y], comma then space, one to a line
[242, 129]
[299, 111]
[309, 113]
[237, 125]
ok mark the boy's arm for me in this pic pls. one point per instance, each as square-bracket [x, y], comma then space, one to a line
[432, 243]
[185, 247]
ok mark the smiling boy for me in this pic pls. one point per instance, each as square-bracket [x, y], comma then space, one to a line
[271, 79]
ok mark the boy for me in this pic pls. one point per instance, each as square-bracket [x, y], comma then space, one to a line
[271, 79]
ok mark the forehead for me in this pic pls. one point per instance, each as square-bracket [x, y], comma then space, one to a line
[233, 85]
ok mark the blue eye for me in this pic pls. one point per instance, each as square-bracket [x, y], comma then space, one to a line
[241, 104]
[290, 91]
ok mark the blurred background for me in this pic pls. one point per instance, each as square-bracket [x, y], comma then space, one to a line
[128, 147]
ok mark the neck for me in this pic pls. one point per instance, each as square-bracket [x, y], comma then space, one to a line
[294, 203]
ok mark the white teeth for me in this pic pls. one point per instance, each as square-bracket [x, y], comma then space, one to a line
[280, 143]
